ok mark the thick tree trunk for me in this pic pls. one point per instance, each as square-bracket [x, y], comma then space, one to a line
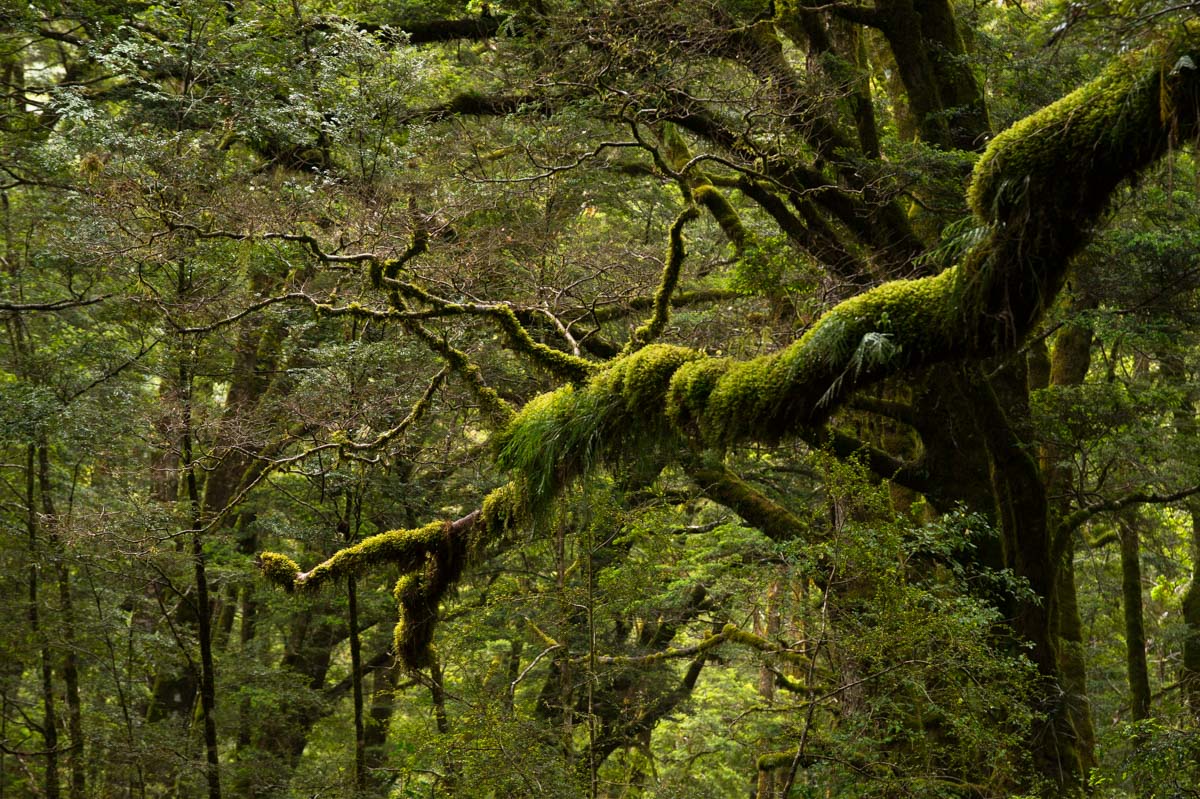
[944, 96]
[1023, 515]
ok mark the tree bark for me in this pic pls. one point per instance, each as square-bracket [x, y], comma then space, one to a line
[1068, 366]
[208, 687]
[1135, 630]
[49, 714]
[70, 665]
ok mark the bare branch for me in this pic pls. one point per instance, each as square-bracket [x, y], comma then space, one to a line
[58, 305]
[1074, 520]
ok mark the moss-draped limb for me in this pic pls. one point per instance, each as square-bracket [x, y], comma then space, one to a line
[773, 761]
[279, 569]
[560, 435]
[652, 328]
[698, 187]
[431, 560]
[736, 635]
[559, 363]
[720, 484]
[495, 409]
[1041, 186]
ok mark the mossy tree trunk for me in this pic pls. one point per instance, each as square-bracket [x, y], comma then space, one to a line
[1135, 628]
[1023, 517]
[1068, 366]
[1190, 668]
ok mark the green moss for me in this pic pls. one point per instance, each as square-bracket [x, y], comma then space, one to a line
[773, 761]
[654, 326]
[724, 213]
[279, 569]
[661, 391]
[735, 635]
[640, 382]
[566, 433]
[565, 365]
[418, 617]
[505, 510]
[1047, 161]
[404, 548]
[690, 388]
[419, 595]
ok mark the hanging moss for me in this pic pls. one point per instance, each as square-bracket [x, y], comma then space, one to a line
[505, 510]
[418, 618]
[419, 596]
[560, 435]
[431, 558]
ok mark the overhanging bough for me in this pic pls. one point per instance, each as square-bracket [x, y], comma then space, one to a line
[1040, 187]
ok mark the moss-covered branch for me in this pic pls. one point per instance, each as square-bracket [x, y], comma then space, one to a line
[495, 409]
[698, 187]
[720, 484]
[1076, 519]
[1041, 187]
[653, 327]
[430, 558]
[562, 364]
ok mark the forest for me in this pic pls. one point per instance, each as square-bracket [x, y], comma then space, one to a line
[600, 398]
